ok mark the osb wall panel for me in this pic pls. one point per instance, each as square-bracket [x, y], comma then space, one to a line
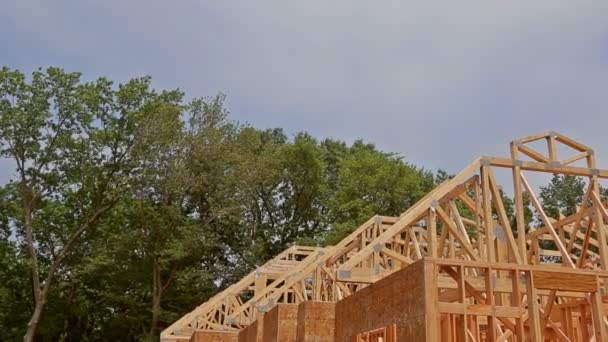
[253, 332]
[271, 324]
[398, 298]
[280, 323]
[316, 322]
[256, 334]
[214, 336]
[243, 333]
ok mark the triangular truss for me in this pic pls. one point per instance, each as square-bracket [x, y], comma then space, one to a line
[218, 313]
[464, 218]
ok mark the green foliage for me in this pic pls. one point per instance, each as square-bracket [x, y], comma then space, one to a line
[562, 195]
[371, 182]
[134, 207]
[604, 193]
[14, 295]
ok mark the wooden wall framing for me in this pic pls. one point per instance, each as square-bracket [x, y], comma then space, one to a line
[464, 220]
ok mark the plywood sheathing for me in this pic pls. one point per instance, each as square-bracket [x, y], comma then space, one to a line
[316, 322]
[243, 334]
[397, 299]
[280, 323]
[254, 331]
[214, 336]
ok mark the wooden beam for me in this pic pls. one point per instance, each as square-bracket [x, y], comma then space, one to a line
[519, 209]
[545, 167]
[531, 138]
[574, 158]
[552, 148]
[532, 154]
[571, 142]
[432, 233]
[560, 281]
[533, 310]
[502, 216]
[600, 214]
[488, 220]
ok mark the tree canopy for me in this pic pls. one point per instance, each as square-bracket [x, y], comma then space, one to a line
[127, 206]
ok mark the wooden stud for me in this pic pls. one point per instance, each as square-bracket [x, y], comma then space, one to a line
[432, 233]
[487, 215]
[533, 310]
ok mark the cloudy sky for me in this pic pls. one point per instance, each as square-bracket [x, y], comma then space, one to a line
[438, 82]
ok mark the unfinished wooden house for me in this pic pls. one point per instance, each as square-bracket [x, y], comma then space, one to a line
[459, 265]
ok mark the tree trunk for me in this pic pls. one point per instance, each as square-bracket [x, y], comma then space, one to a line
[32, 325]
[156, 296]
[42, 294]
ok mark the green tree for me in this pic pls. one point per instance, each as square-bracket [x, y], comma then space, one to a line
[562, 195]
[372, 182]
[72, 145]
[14, 287]
[288, 202]
[153, 207]
[129, 208]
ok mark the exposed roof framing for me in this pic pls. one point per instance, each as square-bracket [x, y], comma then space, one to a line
[464, 218]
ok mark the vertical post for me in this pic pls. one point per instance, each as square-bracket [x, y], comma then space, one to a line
[478, 213]
[462, 330]
[597, 214]
[600, 226]
[475, 328]
[567, 319]
[551, 147]
[584, 322]
[536, 251]
[519, 215]
[598, 318]
[519, 206]
[431, 301]
[364, 263]
[451, 246]
[318, 284]
[431, 227]
[373, 233]
[533, 309]
[260, 283]
[516, 302]
[489, 287]
[487, 212]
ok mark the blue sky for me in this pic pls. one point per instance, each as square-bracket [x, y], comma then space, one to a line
[438, 82]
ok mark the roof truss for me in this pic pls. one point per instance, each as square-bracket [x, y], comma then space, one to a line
[465, 218]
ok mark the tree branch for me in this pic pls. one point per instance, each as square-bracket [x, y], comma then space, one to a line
[68, 248]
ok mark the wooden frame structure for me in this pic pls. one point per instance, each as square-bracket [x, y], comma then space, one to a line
[466, 222]
[508, 302]
[218, 313]
[386, 334]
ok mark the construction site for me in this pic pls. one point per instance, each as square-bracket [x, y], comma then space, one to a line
[459, 265]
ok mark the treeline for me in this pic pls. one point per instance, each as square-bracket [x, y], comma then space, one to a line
[127, 207]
